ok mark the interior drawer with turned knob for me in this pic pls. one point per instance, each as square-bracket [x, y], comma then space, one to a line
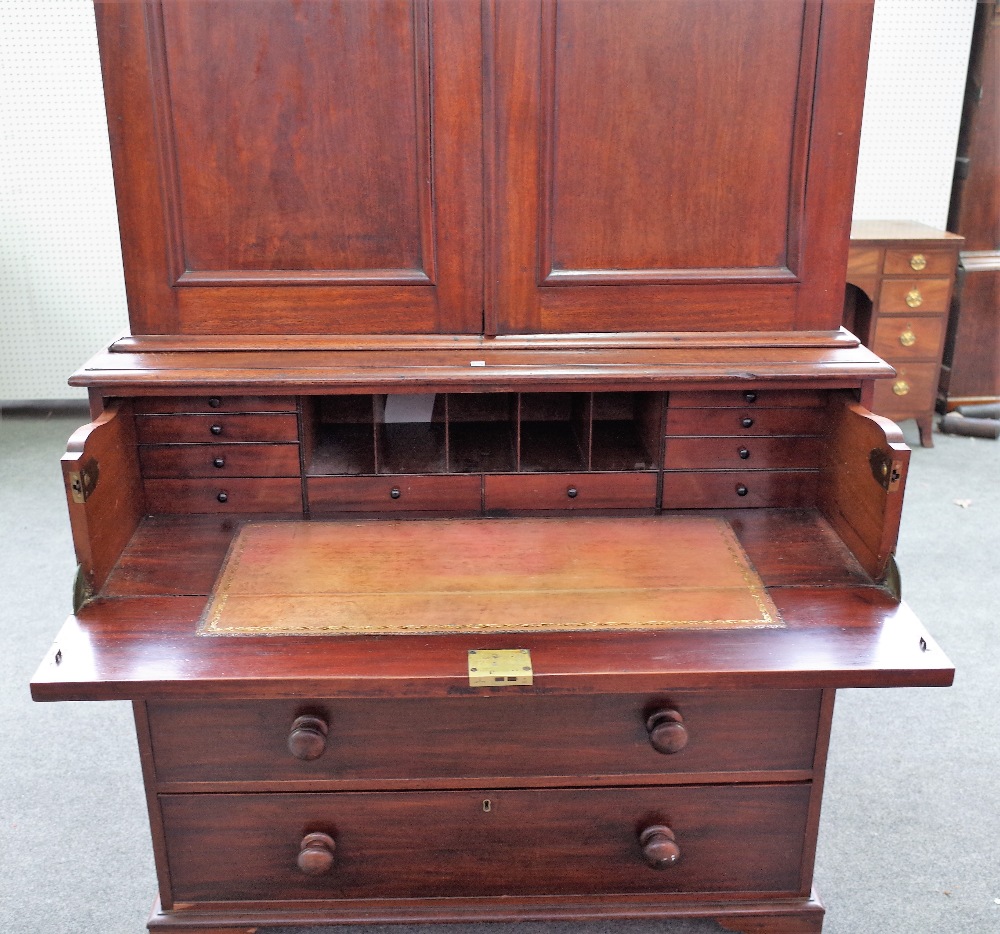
[484, 737]
[486, 842]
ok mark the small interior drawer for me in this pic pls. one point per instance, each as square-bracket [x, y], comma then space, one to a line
[746, 453]
[225, 494]
[610, 490]
[488, 842]
[516, 737]
[190, 405]
[745, 421]
[728, 489]
[205, 429]
[908, 296]
[399, 493]
[918, 261]
[219, 460]
[919, 337]
[742, 398]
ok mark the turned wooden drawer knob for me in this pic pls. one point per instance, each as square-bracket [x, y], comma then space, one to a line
[216, 429]
[307, 739]
[316, 853]
[659, 847]
[667, 732]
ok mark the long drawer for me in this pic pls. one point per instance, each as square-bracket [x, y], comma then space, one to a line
[483, 843]
[483, 737]
[160, 405]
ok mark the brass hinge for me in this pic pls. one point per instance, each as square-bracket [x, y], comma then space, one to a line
[83, 482]
[496, 668]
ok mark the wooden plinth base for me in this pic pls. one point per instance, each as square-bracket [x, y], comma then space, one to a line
[774, 916]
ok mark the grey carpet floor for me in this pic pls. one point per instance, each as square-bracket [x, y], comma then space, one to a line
[911, 819]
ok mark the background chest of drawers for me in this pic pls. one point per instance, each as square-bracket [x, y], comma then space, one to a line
[906, 272]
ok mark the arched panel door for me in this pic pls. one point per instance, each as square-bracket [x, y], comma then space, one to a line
[309, 168]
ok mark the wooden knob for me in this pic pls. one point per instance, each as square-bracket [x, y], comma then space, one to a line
[219, 462]
[316, 853]
[667, 732]
[746, 422]
[742, 489]
[572, 492]
[659, 846]
[744, 453]
[216, 429]
[395, 492]
[222, 496]
[750, 396]
[307, 739]
[215, 402]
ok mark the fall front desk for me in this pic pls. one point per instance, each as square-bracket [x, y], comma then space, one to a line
[525, 655]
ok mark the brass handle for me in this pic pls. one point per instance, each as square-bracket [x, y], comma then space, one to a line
[914, 299]
[659, 846]
[901, 387]
[918, 261]
[307, 739]
[908, 338]
[316, 853]
[667, 732]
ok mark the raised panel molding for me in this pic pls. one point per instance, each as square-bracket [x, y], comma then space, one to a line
[298, 182]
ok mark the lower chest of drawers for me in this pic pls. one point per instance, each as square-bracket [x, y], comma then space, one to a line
[484, 796]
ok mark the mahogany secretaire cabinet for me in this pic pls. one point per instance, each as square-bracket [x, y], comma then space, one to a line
[485, 506]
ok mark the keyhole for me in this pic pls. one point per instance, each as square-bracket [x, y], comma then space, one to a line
[487, 806]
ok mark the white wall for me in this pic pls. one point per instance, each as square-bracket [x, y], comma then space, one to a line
[62, 294]
[913, 105]
[61, 290]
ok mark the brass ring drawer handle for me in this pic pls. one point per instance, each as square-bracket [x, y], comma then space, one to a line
[918, 261]
[908, 338]
[659, 846]
[914, 299]
[316, 853]
[901, 387]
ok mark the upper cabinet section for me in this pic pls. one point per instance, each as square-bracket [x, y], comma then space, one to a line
[418, 167]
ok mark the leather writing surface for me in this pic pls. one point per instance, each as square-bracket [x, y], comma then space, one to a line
[525, 575]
